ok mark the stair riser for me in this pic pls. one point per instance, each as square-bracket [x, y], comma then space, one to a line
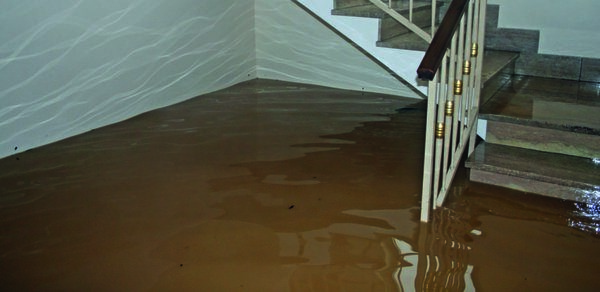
[531, 186]
[543, 139]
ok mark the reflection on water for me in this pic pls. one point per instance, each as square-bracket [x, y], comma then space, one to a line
[444, 254]
[587, 216]
[355, 257]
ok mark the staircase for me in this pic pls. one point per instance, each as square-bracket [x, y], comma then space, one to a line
[542, 137]
[541, 134]
[499, 64]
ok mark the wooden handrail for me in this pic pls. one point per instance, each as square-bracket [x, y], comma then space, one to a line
[441, 41]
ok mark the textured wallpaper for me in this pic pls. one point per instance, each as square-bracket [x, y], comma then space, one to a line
[69, 66]
[293, 45]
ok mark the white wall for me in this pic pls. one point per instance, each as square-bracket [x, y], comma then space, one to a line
[292, 45]
[69, 66]
[570, 28]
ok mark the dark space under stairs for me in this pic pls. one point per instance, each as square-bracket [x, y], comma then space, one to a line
[543, 134]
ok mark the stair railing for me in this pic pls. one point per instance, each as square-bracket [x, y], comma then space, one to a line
[452, 66]
[391, 9]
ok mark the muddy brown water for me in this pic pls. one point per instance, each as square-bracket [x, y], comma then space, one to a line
[273, 186]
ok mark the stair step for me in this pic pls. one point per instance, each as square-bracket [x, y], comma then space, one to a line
[542, 136]
[338, 4]
[406, 41]
[495, 63]
[498, 67]
[390, 28]
[367, 9]
[548, 174]
[552, 115]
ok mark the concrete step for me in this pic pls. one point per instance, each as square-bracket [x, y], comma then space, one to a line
[554, 175]
[551, 115]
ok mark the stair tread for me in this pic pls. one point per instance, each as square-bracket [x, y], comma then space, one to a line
[549, 103]
[495, 61]
[541, 166]
[370, 10]
[498, 67]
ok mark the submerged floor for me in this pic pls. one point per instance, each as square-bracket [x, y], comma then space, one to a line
[271, 186]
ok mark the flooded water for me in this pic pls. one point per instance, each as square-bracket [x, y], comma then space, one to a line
[271, 186]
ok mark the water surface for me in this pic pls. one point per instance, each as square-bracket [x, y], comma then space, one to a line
[272, 186]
